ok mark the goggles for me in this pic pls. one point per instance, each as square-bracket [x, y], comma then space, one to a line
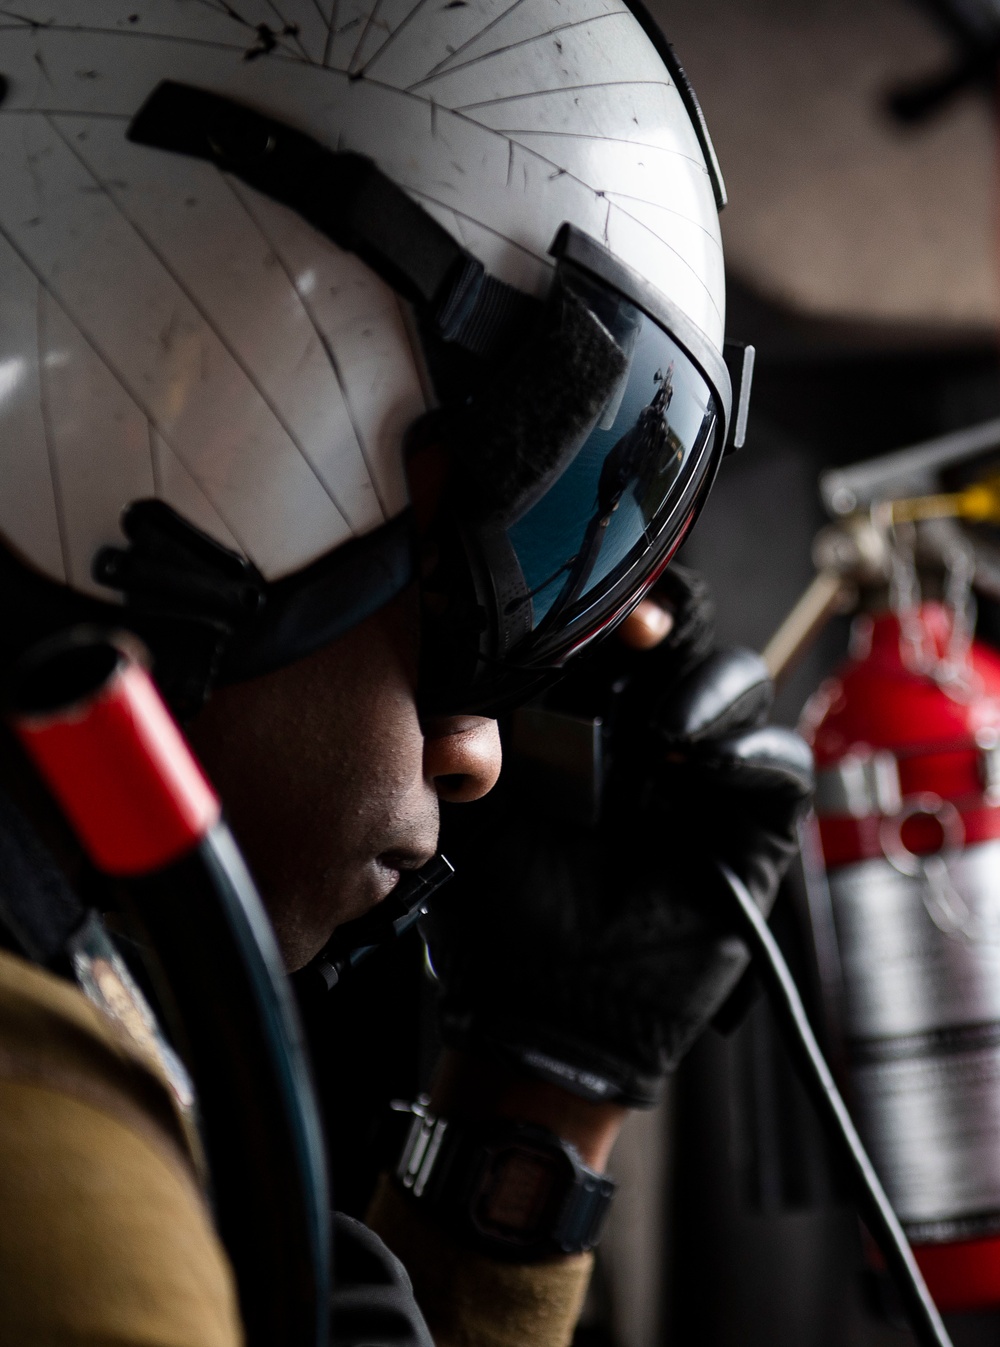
[574, 476]
[575, 442]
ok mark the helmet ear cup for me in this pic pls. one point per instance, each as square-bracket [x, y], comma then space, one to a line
[186, 594]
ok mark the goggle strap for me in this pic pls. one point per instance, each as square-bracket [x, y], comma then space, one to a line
[494, 321]
[343, 195]
[350, 200]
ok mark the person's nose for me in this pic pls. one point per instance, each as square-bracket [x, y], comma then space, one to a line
[461, 756]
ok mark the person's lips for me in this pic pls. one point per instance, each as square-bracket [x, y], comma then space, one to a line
[390, 864]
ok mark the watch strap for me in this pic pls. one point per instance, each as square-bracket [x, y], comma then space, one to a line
[512, 1190]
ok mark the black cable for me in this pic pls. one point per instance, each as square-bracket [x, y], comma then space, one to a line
[876, 1211]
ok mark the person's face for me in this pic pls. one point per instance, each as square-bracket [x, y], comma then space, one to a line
[331, 782]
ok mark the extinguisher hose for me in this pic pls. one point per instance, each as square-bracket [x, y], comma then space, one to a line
[876, 1210]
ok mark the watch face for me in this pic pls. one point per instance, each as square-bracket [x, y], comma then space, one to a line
[520, 1193]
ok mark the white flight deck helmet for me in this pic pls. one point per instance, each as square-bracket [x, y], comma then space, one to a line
[178, 324]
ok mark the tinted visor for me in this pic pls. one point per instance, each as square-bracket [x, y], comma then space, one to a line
[598, 521]
[568, 555]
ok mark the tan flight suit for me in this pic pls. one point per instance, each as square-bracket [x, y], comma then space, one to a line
[105, 1237]
[472, 1301]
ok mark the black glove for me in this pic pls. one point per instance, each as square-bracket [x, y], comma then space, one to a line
[595, 956]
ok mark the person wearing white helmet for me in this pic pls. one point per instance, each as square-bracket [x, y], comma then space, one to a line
[299, 305]
[240, 268]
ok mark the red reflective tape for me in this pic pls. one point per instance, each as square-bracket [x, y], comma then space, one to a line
[123, 774]
[848, 840]
[961, 1276]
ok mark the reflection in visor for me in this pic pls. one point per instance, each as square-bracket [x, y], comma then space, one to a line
[609, 502]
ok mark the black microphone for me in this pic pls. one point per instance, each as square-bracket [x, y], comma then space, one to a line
[390, 920]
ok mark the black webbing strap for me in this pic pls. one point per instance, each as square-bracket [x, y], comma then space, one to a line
[498, 317]
[343, 195]
[38, 909]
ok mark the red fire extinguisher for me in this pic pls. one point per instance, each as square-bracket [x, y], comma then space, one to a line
[907, 744]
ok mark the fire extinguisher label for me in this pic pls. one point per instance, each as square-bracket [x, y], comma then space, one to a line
[920, 964]
[931, 1121]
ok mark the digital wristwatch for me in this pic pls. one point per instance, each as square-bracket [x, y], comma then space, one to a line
[511, 1190]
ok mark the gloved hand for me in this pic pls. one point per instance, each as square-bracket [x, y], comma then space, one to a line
[595, 956]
